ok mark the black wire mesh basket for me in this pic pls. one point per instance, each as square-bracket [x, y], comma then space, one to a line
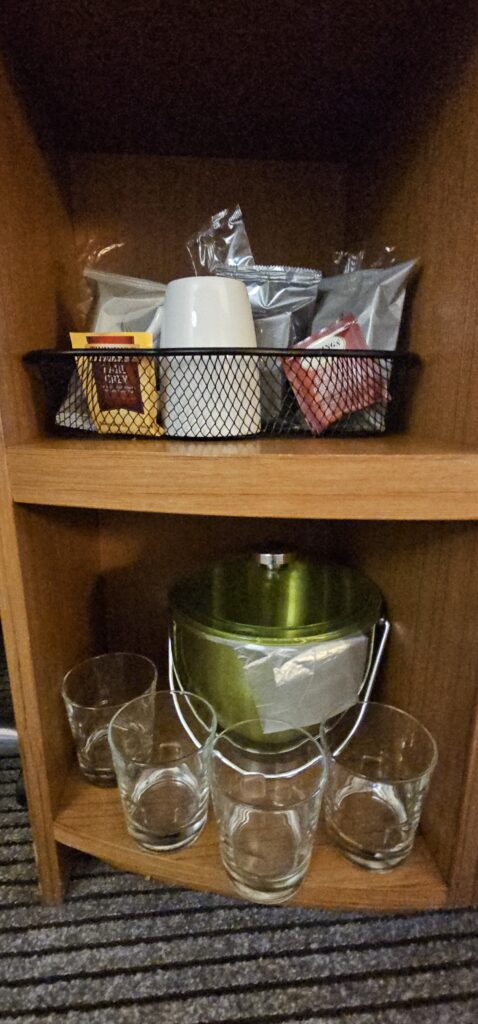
[218, 394]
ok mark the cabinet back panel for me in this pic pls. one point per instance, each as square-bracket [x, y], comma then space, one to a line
[227, 79]
[294, 213]
[143, 555]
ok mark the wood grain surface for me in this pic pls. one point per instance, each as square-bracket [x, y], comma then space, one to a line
[427, 573]
[26, 703]
[92, 820]
[46, 580]
[294, 212]
[38, 277]
[413, 186]
[418, 193]
[372, 478]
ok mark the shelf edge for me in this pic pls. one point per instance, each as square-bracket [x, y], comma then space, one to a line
[92, 822]
[367, 484]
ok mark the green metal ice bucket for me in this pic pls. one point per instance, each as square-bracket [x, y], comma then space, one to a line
[235, 612]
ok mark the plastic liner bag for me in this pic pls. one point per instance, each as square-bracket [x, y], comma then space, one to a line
[121, 304]
[277, 290]
[283, 298]
[75, 400]
[347, 262]
[126, 304]
[222, 241]
[324, 395]
[303, 683]
[279, 297]
[272, 332]
[222, 247]
[374, 296]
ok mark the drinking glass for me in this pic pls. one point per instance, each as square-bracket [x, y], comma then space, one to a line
[381, 762]
[161, 745]
[93, 691]
[266, 796]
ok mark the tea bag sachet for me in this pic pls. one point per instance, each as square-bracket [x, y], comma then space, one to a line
[327, 390]
[120, 389]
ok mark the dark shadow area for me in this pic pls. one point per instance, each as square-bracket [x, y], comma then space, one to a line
[288, 80]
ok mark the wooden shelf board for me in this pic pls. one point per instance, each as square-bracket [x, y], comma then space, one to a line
[369, 478]
[91, 820]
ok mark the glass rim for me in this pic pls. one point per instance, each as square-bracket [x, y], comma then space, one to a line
[101, 657]
[321, 754]
[172, 695]
[391, 780]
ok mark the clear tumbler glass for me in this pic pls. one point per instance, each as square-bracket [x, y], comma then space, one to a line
[161, 746]
[381, 762]
[266, 797]
[93, 691]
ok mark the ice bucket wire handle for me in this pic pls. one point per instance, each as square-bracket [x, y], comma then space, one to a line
[379, 639]
[377, 646]
[178, 688]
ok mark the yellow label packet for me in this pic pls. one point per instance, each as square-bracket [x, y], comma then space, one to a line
[121, 393]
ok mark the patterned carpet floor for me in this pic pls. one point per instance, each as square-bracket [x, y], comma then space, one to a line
[122, 949]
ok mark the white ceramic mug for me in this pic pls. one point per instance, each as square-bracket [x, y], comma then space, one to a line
[207, 312]
[209, 396]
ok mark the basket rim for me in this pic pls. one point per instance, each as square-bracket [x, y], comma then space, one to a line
[40, 355]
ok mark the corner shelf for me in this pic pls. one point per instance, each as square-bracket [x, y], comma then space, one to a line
[91, 820]
[370, 478]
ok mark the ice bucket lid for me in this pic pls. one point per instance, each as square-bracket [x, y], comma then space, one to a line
[277, 596]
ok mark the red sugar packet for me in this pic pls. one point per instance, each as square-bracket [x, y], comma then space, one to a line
[327, 389]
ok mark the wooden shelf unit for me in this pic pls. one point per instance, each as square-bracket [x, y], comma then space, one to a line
[93, 532]
[92, 821]
[372, 478]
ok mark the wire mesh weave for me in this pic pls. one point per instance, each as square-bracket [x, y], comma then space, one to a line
[223, 394]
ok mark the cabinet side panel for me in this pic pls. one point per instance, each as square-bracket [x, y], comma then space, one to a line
[294, 212]
[428, 574]
[464, 877]
[418, 192]
[38, 277]
[59, 560]
[51, 617]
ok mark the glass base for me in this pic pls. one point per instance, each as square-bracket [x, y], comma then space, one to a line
[264, 853]
[370, 828]
[105, 779]
[370, 861]
[373, 860]
[269, 896]
[168, 809]
[169, 843]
